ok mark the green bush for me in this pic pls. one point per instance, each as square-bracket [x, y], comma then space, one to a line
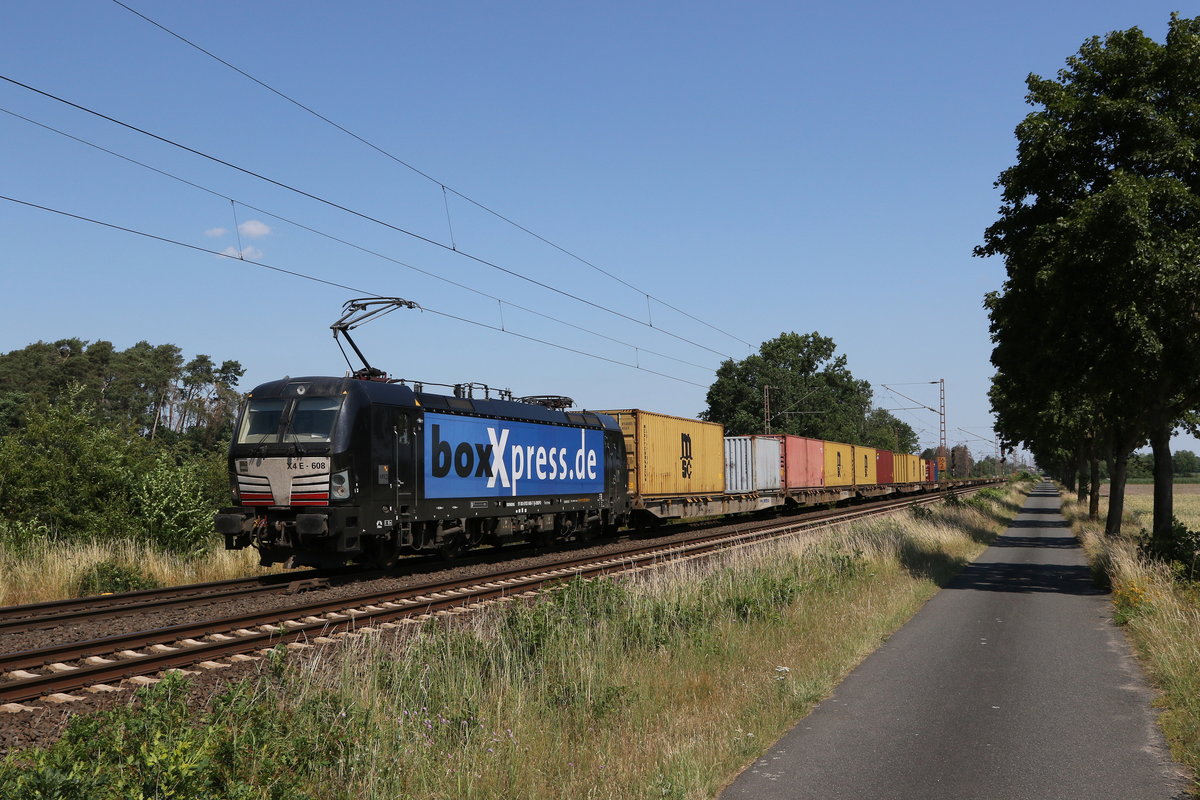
[109, 576]
[154, 749]
[1180, 550]
[170, 503]
[67, 474]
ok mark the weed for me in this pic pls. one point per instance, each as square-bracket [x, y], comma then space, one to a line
[1129, 600]
[109, 576]
[920, 512]
[1180, 550]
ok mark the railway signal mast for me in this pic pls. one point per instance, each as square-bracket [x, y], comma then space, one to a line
[942, 450]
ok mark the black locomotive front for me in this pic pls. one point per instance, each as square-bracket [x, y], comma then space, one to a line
[293, 471]
[329, 470]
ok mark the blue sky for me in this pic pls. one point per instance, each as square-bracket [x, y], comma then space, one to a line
[764, 167]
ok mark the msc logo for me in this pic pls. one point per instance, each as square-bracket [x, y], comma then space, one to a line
[685, 455]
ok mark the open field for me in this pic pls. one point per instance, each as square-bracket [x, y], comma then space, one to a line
[1139, 507]
[1132, 489]
[661, 686]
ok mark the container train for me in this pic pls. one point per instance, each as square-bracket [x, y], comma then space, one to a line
[327, 471]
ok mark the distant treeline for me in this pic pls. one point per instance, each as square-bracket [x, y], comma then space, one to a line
[98, 443]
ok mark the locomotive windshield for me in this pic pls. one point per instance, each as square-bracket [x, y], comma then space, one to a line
[301, 419]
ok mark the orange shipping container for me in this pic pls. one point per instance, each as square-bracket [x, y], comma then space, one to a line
[672, 456]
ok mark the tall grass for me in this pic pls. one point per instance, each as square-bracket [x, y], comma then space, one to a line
[1160, 612]
[659, 686]
[47, 570]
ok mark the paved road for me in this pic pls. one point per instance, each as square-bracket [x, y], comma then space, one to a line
[1011, 683]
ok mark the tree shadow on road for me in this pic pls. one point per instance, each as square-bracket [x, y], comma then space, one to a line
[1050, 542]
[1004, 577]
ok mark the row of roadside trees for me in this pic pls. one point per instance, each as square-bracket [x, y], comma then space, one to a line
[1097, 327]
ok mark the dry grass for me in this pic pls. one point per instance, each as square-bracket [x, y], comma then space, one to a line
[1161, 615]
[50, 571]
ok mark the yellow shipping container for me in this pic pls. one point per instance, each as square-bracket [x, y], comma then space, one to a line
[839, 464]
[672, 456]
[906, 468]
[865, 461]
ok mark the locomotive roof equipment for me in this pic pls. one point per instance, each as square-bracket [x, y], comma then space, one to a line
[354, 313]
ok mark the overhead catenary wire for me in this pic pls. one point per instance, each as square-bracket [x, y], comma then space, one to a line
[360, 215]
[347, 243]
[335, 284]
[424, 174]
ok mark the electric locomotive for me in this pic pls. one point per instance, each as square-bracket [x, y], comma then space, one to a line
[325, 471]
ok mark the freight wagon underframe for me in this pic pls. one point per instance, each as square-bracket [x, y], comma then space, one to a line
[694, 506]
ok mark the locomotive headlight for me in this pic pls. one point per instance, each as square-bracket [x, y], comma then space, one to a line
[339, 485]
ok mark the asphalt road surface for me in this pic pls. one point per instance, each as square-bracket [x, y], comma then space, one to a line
[1010, 683]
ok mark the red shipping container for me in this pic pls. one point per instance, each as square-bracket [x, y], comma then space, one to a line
[884, 467]
[803, 462]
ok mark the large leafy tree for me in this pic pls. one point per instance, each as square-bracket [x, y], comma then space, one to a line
[1100, 232]
[811, 392]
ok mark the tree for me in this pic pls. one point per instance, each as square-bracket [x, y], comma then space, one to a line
[146, 386]
[1100, 232]
[1186, 462]
[883, 430]
[811, 393]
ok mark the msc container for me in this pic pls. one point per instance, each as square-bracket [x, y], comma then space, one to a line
[752, 464]
[803, 462]
[885, 466]
[864, 466]
[906, 468]
[839, 464]
[671, 456]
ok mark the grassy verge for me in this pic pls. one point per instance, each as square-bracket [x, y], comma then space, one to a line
[1161, 614]
[48, 570]
[659, 686]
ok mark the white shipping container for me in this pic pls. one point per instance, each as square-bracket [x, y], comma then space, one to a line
[752, 464]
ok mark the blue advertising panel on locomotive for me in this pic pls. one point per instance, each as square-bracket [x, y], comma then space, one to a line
[474, 457]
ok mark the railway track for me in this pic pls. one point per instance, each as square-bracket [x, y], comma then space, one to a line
[96, 664]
